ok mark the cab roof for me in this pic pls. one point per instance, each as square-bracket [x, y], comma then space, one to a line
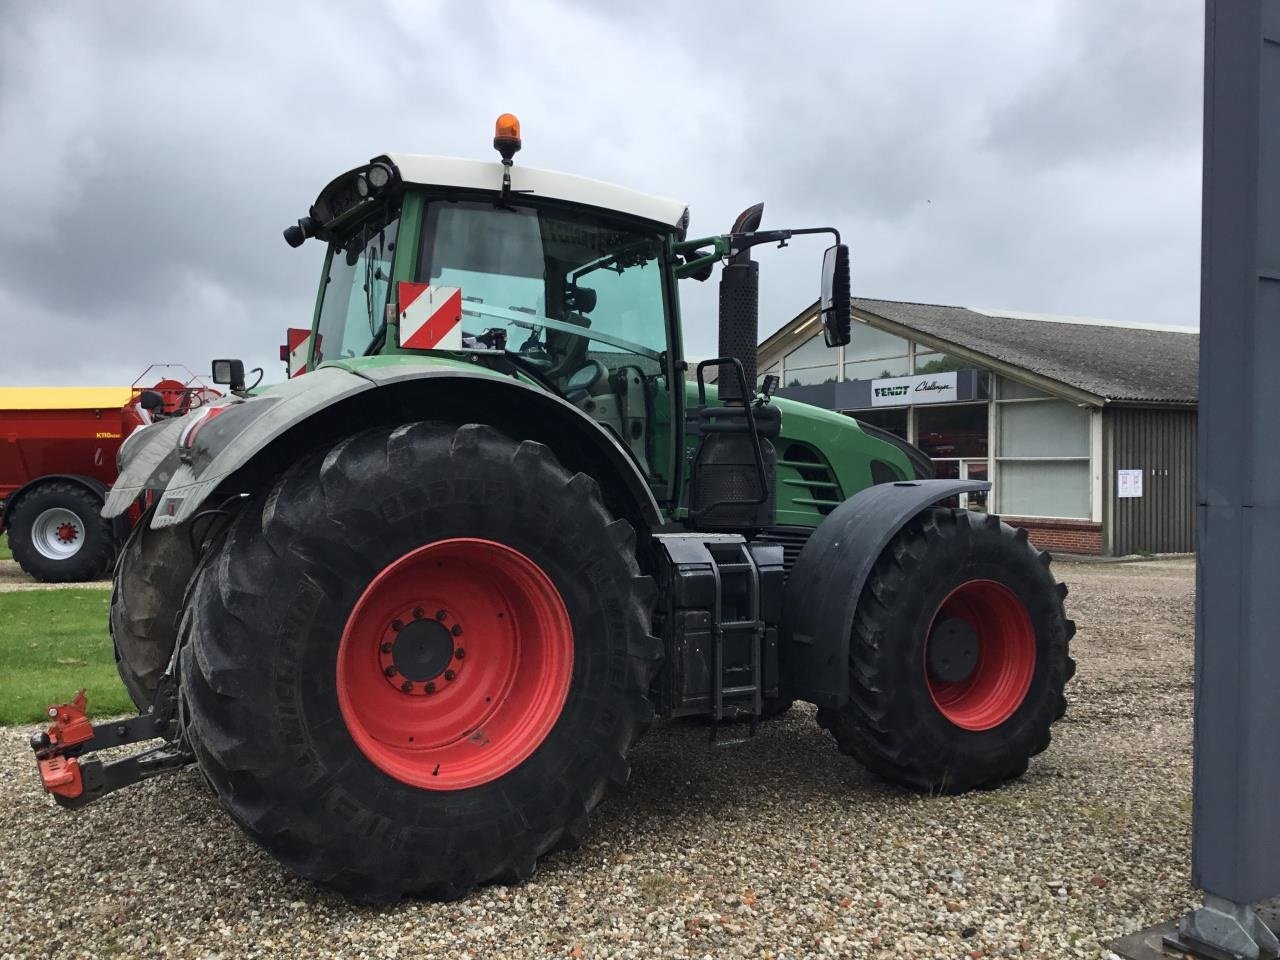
[487, 175]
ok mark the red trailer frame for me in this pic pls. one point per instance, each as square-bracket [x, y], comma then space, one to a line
[58, 449]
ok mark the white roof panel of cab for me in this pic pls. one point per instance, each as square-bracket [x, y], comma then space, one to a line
[487, 175]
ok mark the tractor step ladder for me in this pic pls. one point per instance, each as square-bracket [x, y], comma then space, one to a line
[731, 697]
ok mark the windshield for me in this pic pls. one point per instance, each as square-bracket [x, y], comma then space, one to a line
[563, 287]
[576, 300]
[352, 308]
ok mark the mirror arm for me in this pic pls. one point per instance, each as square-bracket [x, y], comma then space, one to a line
[720, 249]
[744, 241]
[734, 243]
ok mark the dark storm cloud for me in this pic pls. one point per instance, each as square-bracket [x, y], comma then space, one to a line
[1032, 156]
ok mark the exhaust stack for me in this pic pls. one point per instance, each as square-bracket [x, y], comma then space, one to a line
[740, 313]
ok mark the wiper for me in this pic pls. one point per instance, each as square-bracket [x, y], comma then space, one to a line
[532, 321]
[368, 281]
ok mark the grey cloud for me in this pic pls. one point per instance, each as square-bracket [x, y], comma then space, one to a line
[1032, 156]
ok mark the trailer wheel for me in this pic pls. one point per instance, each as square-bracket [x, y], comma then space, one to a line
[146, 600]
[958, 657]
[58, 535]
[416, 665]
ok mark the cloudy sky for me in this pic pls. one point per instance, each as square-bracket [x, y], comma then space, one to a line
[1031, 156]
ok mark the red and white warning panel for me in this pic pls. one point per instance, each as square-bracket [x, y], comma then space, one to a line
[296, 349]
[430, 316]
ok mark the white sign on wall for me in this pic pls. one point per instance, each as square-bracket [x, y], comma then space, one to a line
[923, 388]
[1128, 483]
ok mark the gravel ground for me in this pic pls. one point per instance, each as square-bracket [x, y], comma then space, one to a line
[779, 848]
[12, 578]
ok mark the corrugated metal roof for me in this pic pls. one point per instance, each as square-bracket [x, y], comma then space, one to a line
[63, 398]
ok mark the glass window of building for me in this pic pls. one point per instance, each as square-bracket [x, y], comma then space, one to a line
[1013, 390]
[877, 369]
[954, 436]
[1045, 488]
[939, 363]
[1046, 428]
[813, 352]
[811, 362]
[805, 376]
[1042, 455]
[894, 421]
[868, 343]
[952, 431]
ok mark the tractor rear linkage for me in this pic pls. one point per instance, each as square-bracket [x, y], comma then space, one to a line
[71, 736]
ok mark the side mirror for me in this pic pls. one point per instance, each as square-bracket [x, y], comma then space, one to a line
[229, 373]
[833, 308]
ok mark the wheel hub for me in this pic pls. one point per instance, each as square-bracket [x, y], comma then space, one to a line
[57, 533]
[427, 709]
[980, 655]
[953, 650]
[420, 655]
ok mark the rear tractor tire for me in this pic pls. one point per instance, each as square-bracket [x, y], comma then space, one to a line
[58, 535]
[416, 665]
[146, 602]
[958, 656]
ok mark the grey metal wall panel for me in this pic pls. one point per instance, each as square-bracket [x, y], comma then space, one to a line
[1161, 443]
[1236, 821]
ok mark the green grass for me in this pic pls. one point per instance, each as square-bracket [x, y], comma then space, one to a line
[4, 547]
[52, 643]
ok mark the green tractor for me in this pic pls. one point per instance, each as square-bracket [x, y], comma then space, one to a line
[409, 610]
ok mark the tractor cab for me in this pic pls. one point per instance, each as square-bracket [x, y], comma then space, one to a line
[562, 282]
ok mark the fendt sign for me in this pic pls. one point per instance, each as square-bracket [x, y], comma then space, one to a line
[925, 388]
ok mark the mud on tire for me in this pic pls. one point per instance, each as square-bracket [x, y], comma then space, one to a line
[146, 600]
[263, 628]
[893, 724]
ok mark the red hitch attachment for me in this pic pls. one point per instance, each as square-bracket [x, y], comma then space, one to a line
[60, 774]
[59, 749]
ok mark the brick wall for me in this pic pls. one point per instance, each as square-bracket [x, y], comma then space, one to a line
[1061, 536]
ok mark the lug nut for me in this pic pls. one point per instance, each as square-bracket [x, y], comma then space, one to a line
[457, 630]
[460, 652]
[417, 613]
[449, 674]
[407, 687]
[441, 614]
[397, 626]
[386, 647]
[390, 671]
[430, 688]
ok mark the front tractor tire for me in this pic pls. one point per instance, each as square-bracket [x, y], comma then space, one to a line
[416, 664]
[958, 657]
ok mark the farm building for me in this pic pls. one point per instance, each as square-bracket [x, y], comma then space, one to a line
[1085, 428]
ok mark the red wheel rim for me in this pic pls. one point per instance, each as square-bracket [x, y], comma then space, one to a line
[1006, 656]
[455, 664]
